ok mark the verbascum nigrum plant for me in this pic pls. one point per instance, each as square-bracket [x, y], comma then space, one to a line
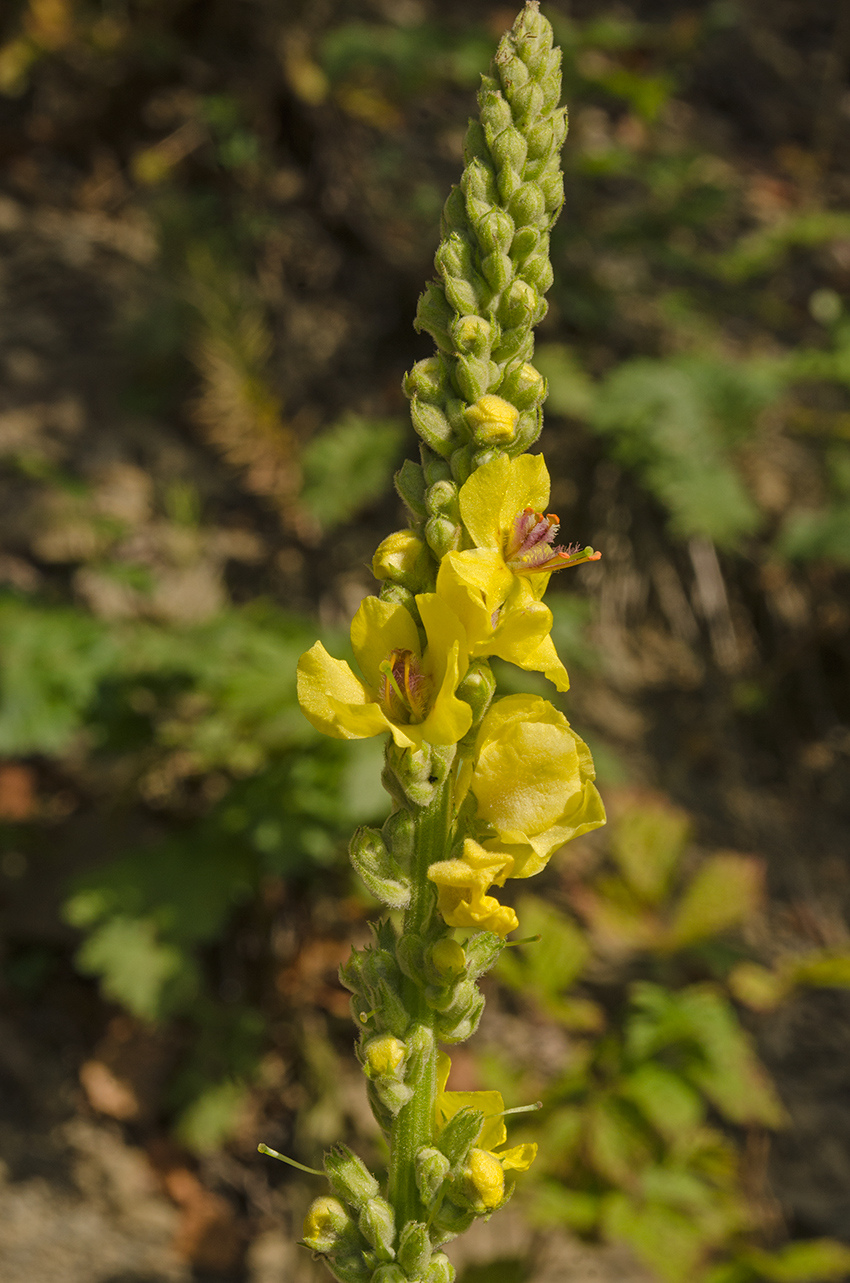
[482, 790]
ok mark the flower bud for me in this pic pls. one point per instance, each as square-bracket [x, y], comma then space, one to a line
[434, 467]
[523, 386]
[478, 182]
[442, 501]
[460, 1134]
[440, 1270]
[384, 1056]
[482, 951]
[399, 833]
[411, 956]
[472, 377]
[434, 315]
[527, 205]
[473, 335]
[373, 862]
[538, 272]
[432, 425]
[452, 1220]
[493, 420]
[462, 1019]
[477, 689]
[426, 380]
[443, 535]
[414, 1249]
[401, 596]
[509, 148]
[410, 484]
[518, 306]
[495, 112]
[483, 1181]
[454, 214]
[377, 1225]
[495, 231]
[389, 1274]
[446, 959]
[394, 1095]
[498, 270]
[403, 558]
[349, 1176]
[431, 1169]
[462, 296]
[327, 1225]
[352, 1269]
[527, 103]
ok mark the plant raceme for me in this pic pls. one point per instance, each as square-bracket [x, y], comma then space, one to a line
[482, 790]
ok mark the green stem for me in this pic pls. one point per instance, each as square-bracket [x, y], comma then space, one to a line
[413, 1126]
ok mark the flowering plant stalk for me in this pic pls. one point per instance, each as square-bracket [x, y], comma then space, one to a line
[482, 790]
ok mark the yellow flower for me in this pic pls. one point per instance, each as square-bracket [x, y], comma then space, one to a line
[407, 691]
[461, 888]
[496, 587]
[492, 1136]
[532, 778]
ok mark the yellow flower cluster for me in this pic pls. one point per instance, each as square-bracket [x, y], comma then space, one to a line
[530, 774]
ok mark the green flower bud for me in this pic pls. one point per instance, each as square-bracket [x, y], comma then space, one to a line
[495, 231]
[373, 862]
[440, 1270]
[411, 956]
[402, 597]
[523, 386]
[461, 464]
[528, 430]
[432, 1167]
[472, 377]
[527, 205]
[482, 951]
[527, 104]
[327, 1225]
[394, 1095]
[427, 380]
[462, 296]
[518, 305]
[509, 148]
[498, 270]
[480, 457]
[434, 315]
[452, 1220]
[516, 344]
[446, 959]
[478, 182]
[477, 689]
[473, 336]
[461, 1021]
[410, 484]
[456, 415]
[432, 425]
[443, 535]
[460, 1134]
[403, 558]
[442, 500]
[552, 187]
[526, 241]
[435, 468]
[537, 271]
[414, 1249]
[513, 72]
[495, 113]
[475, 143]
[377, 1225]
[399, 833]
[454, 213]
[389, 1274]
[349, 1176]
[352, 1269]
[493, 420]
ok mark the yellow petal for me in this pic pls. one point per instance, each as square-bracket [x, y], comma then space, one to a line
[497, 492]
[362, 721]
[486, 1175]
[519, 1158]
[524, 779]
[377, 629]
[324, 684]
[545, 660]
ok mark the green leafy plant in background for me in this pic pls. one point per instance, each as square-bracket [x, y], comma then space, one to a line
[641, 1124]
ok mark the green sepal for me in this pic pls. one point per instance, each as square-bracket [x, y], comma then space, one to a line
[350, 1178]
[410, 484]
[378, 870]
[377, 1225]
[440, 1270]
[414, 1249]
[432, 1168]
[460, 1134]
[432, 426]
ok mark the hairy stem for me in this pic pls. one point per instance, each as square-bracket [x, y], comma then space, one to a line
[413, 1126]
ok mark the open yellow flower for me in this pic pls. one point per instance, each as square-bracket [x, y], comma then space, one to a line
[496, 587]
[407, 691]
[532, 778]
[493, 1134]
[462, 885]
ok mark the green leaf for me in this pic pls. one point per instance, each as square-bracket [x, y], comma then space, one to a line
[730, 1073]
[811, 1262]
[209, 1121]
[726, 890]
[669, 1242]
[349, 466]
[145, 974]
[618, 1145]
[553, 1204]
[648, 842]
[665, 1099]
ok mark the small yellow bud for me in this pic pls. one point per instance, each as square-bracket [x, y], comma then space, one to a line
[492, 420]
[325, 1223]
[485, 1175]
[384, 1056]
[448, 957]
[403, 558]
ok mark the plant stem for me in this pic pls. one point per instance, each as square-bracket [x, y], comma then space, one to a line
[413, 1127]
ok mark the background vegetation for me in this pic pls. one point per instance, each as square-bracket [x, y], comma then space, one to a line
[215, 220]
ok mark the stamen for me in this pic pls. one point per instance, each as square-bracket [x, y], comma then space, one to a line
[520, 1109]
[272, 1153]
[387, 669]
[511, 944]
[529, 549]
